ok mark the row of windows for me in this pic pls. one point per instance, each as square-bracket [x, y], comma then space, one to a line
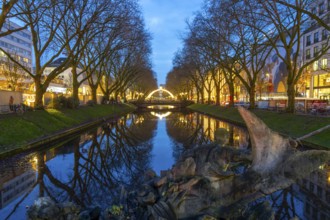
[320, 64]
[320, 8]
[18, 190]
[22, 33]
[14, 48]
[315, 51]
[315, 213]
[15, 39]
[19, 58]
[316, 37]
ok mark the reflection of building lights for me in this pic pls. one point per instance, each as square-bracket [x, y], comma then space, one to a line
[182, 120]
[139, 120]
[34, 163]
[161, 115]
[329, 177]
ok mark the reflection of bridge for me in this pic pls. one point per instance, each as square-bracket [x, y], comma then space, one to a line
[160, 103]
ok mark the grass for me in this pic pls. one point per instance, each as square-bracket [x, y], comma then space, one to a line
[16, 131]
[290, 125]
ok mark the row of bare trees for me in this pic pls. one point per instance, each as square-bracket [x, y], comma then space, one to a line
[229, 42]
[105, 43]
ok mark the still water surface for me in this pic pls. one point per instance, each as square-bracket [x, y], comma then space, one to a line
[91, 169]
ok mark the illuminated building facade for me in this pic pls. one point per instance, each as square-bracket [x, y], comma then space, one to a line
[316, 79]
[19, 45]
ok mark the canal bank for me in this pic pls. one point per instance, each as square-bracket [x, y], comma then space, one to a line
[289, 125]
[36, 128]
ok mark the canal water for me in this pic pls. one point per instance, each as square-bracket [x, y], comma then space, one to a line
[91, 169]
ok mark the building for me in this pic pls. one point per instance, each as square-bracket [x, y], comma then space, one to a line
[62, 84]
[19, 45]
[316, 79]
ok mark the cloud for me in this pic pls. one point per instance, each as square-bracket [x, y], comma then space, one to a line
[154, 21]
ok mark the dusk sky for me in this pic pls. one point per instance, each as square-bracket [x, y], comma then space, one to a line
[165, 20]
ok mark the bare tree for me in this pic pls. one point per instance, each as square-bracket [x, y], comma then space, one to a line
[210, 33]
[93, 20]
[129, 57]
[10, 10]
[250, 45]
[284, 33]
[44, 19]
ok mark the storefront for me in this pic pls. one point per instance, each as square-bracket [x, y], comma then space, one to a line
[320, 86]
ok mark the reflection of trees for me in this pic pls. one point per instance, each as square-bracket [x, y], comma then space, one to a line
[283, 203]
[189, 130]
[186, 132]
[115, 156]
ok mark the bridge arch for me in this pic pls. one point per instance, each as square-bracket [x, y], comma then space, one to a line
[158, 90]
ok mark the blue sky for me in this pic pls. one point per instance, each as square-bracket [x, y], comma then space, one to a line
[165, 20]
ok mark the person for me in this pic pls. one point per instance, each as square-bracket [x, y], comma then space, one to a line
[11, 103]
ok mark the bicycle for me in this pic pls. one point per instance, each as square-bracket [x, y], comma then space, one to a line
[19, 109]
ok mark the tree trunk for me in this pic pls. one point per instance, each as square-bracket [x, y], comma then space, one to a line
[202, 96]
[252, 100]
[231, 94]
[217, 95]
[209, 97]
[38, 104]
[75, 86]
[291, 98]
[93, 90]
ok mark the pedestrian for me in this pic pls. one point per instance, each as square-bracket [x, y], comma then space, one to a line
[11, 103]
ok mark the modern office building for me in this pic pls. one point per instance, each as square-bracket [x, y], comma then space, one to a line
[19, 45]
[315, 38]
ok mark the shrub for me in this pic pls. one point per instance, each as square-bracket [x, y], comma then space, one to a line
[90, 103]
[54, 103]
[72, 103]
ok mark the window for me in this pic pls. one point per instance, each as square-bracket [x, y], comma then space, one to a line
[316, 37]
[308, 54]
[324, 34]
[321, 8]
[308, 40]
[324, 63]
[316, 65]
[316, 50]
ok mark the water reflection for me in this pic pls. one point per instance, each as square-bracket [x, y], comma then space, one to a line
[92, 168]
[192, 129]
[161, 115]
